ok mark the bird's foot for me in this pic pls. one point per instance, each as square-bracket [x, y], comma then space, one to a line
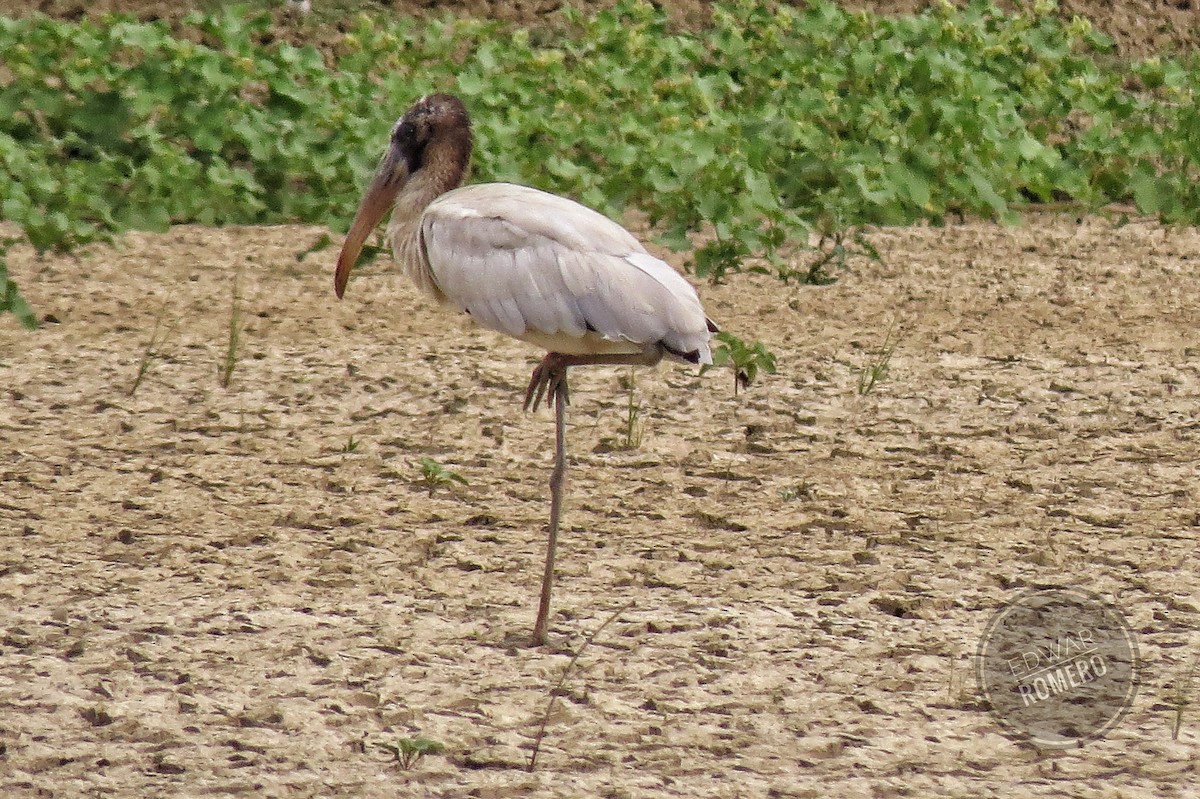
[549, 381]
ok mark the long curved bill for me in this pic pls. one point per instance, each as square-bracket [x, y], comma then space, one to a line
[381, 195]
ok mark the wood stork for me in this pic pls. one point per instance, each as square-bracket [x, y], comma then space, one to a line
[533, 265]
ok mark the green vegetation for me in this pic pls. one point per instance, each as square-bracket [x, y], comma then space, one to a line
[745, 359]
[152, 352]
[10, 297]
[800, 490]
[1181, 697]
[633, 429]
[408, 751]
[876, 369]
[435, 475]
[764, 132]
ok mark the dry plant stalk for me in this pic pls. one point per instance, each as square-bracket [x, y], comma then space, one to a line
[235, 331]
[541, 733]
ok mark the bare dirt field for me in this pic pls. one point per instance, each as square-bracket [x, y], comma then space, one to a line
[211, 591]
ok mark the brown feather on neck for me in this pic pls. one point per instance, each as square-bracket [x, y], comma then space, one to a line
[443, 166]
[447, 158]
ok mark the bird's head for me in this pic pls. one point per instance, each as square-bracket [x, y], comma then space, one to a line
[434, 136]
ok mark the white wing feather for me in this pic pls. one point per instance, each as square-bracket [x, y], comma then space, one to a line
[538, 266]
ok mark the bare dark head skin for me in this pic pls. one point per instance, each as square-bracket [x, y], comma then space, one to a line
[433, 139]
[439, 120]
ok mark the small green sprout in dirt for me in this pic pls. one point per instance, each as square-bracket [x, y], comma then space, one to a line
[833, 250]
[801, 490]
[827, 259]
[633, 411]
[320, 245]
[746, 360]
[957, 690]
[1182, 696]
[876, 370]
[151, 354]
[409, 750]
[351, 445]
[235, 332]
[434, 474]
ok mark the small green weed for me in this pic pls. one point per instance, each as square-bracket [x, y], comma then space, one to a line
[746, 360]
[633, 428]
[370, 251]
[836, 249]
[10, 297]
[1181, 698]
[410, 750]
[435, 475]
[958, 691]
[151, 354]
[229, 363]
[801, 490]
[876, 369]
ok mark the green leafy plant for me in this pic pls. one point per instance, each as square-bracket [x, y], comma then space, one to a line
[408, 751]
[770, 128]
[434, 475]
[746, 360]
[369, 252]
[10, 296]
[352, 444]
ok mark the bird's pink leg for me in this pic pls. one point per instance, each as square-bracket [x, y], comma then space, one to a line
[546, 378]
[557, 478]
[550, 380]
[552, 372]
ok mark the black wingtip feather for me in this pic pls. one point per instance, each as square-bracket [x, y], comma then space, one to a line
[691, 357]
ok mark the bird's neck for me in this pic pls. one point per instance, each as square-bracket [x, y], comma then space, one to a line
[443, 168]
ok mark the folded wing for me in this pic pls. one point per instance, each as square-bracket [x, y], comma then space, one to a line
[546, 269]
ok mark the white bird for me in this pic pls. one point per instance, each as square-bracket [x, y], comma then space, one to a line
[532, 265]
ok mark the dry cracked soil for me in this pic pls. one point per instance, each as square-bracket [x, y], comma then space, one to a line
[250, 590]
